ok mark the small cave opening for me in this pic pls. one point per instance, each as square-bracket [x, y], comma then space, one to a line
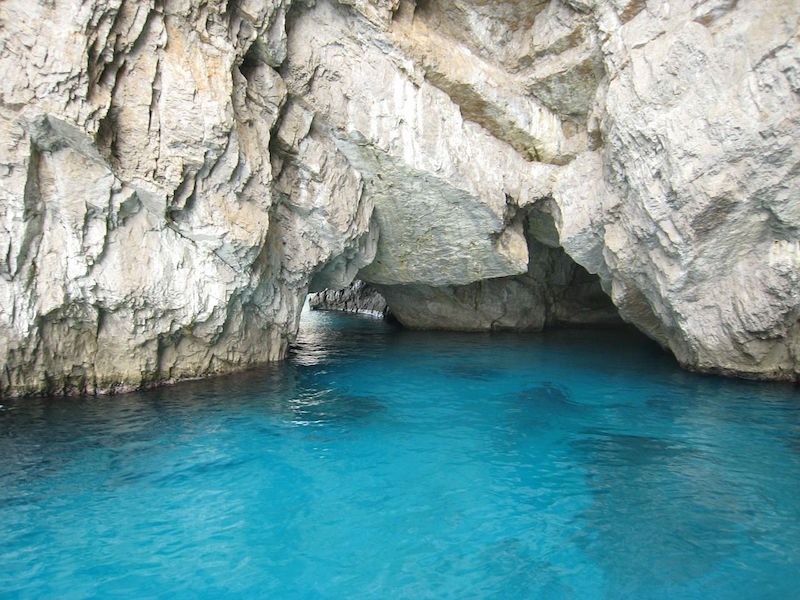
[359, 297]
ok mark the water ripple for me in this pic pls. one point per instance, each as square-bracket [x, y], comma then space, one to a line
[378, 463]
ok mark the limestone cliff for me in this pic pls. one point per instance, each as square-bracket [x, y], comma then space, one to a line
[158, 222]
[175, 176]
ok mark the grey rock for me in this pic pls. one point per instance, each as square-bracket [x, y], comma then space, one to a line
[176, 176]
[690, 211]
[358, 297]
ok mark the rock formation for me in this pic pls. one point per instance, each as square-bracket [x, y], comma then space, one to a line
[358, 297]
[176, 176]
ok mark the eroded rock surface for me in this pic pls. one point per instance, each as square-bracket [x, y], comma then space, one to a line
[149, 233]
[358, 297]
[690, 211]
[175, 176]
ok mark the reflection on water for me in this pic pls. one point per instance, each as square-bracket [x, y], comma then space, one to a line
[327, 406]
[378, 462]
[477, 372]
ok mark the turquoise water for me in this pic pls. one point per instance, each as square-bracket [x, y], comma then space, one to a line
[381, 463]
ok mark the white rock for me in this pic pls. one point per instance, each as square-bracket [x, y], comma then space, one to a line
[689, 213]
[174, 178]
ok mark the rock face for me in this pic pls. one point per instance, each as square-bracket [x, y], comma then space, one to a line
[177, 175]
[358, 297]
[691, 214]
[152, 228]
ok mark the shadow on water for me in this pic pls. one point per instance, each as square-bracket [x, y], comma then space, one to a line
[43, 435]
[625, 450]
[549, 399]
[542, 406]
[713, 405]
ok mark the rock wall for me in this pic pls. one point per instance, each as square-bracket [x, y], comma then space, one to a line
[358, 297]
[157, 222]
[177, 175]
[690, 209]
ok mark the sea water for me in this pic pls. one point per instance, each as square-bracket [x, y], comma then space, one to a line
[383, 463]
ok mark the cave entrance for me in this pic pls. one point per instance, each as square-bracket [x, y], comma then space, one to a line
[359, 297]
[555, 292]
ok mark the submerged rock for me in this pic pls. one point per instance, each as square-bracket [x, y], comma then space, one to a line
[178, 175]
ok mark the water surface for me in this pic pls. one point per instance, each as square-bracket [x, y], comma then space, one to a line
[379, 463]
